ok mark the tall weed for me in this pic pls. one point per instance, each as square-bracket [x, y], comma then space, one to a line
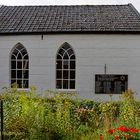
[59, 116]
[129, 111]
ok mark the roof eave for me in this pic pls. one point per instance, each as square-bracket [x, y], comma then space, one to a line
[70, 32]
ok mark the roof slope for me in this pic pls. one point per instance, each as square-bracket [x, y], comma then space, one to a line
[79, 18]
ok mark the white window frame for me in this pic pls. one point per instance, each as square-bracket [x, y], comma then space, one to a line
[69, 70]
[17, 68]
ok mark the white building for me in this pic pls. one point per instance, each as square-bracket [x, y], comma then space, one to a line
[93, 50]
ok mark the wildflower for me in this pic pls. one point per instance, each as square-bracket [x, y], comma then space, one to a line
[116, 137]
[101, 137]
[126, 136]
[123, 129]
[111, 131]
[125, 132]
[134, 130]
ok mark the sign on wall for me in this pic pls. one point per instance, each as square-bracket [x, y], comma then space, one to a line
[110, 83]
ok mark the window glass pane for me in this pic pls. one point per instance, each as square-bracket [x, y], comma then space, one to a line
[26, 57]
[13, 83]
[72, 74]
[20, 67]
[13, 57]
[65, 56]
[20, 47]
[65, 74]
[19, 56]
[19, 64]
[19, 73]
[72, 57]
[65, 84]
[15, 52]
[59, 84]
[25, 64]
[25, 74]
[58, 74]
[59, 65]
[72, 64]
[70, 52]
[66, 46]
[65, 67]
[13, 73]
[65, 64]
[25, 83]
[19, 83]
[61, 52]
[59, 57]
[13, 64]
[24, 52]
[72, 84]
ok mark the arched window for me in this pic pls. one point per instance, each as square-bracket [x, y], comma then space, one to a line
[65, 67]
[19, 67]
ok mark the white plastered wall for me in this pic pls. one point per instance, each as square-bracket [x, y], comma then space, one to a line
[120, 53]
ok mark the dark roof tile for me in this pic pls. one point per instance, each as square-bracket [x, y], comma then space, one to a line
[82, 18]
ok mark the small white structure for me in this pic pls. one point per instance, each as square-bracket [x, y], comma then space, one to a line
[93, 50]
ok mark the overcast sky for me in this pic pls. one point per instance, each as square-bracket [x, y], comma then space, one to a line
[136, 3]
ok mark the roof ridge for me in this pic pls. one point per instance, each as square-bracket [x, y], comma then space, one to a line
[134, 9]
[1, 6]
[63, 5]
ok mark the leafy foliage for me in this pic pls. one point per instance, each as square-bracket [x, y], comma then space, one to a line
[60, 116]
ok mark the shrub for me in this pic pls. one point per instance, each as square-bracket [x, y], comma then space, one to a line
[23, 113]
[129, 110]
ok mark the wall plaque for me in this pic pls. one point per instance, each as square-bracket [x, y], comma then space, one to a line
[110, 83]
